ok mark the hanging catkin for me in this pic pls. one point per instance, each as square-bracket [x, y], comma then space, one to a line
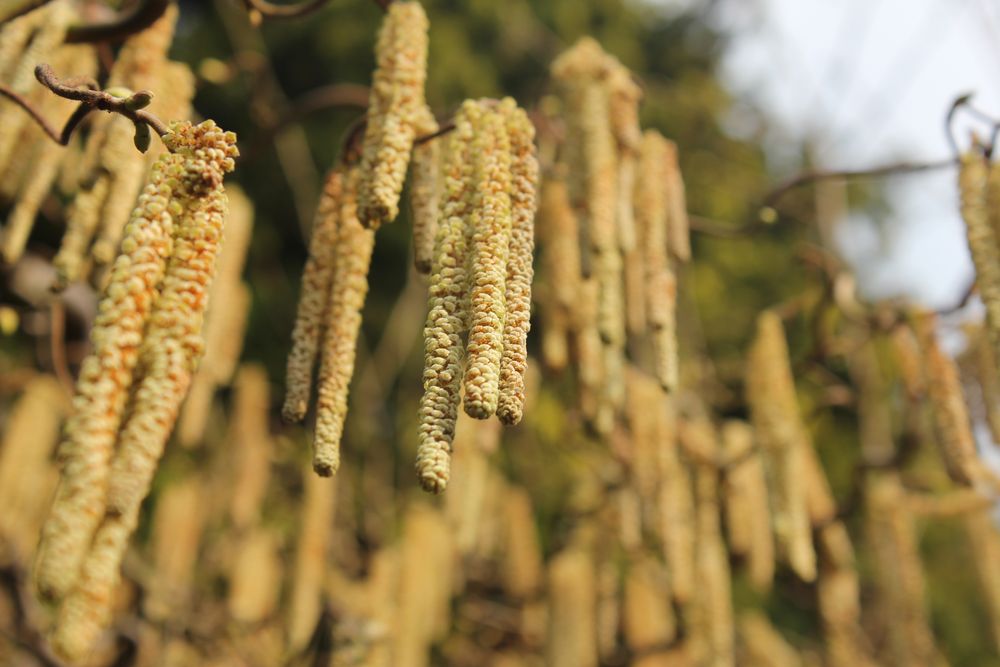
[984, 547]
[317, 277]
[899, 573]
[425, 187]
[951, 415]
[763, 645]
[305, 600]
[712, 616]
[394, 111]
[521, 564]
[678, 235]
[353, 256]
[249, 446]
[652, 215]
[624, 110]
[748, 517]
[255, 577]
[781, 435]
[979, 187]
[27, 478]
[572, 607]
[489, 251]
[524, 180]
[200, 156]
[648, 617]
[448, 308]
[104, 383]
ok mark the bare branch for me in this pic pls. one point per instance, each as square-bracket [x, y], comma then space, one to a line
[271, 10]
[139, 17]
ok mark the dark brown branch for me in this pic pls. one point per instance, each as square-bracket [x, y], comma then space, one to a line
[139, 17]
[271, 10]
[445, 129]
[811, 176]
[99, 99]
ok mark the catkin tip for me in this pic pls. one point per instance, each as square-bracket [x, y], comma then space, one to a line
[293, 412]
[324, 467]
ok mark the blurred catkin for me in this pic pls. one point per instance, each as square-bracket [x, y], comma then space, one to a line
[984, 547]
[255, 580]
[951, 415]
[748, 517]
[781, 435]
[762, 645]
[522, 554]
[447, 315]
[394, 111]
[979, 187]
[177, 527]
[353, 253]
[572, 607]
[425, 192]
[306, 597]
[524, 181]
[317, 277]
[27, 478]
[648, 617]
[250, 446]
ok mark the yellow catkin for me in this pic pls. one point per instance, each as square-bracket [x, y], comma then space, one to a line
[305, 599]
[951, 415]
[139, 66]
[524, 180]
[424, 592]
[748, 517]
[27, 478]
[980, 191]
[52, 20]
[448, 310]
[874, 417]
[343, 324]
[763, 645]
[820, 504]
[652, 217]
[425, 189]
[989, 383]
[46, 154]
[104, 382]
[225, 321]
[489, 250]
[317, 277]
[781, 435]
[14, 38]
[72, 262]
[624, 112]
[255, 580]
[394, 110]
[892, 540]
[249, 440]
[609, 606]
[176, 535]
[679, 235]
[521, 565]
[908, 361]
[838, 599]
[572, 610]
[200, 156]
[648, 618]
[984, 548]
[557, 229]
[676, 507]
[712, 614]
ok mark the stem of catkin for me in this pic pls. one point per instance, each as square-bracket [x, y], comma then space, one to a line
[448, 309]
[317, 278]
[349, 288]
[394, 111]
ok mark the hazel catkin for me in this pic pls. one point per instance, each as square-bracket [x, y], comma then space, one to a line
[397, 102]
[353, 253]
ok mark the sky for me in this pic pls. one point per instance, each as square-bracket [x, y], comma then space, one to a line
[871, 81]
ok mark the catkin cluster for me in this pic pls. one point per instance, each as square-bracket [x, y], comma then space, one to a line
[613, 226]
[109, 172]
[146, 343]
[334, 287]
[481, 280]
[396, 111]
[30, 162]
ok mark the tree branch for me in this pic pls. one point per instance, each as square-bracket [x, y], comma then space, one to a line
[271, 10]
[11, 9]
[139, 17]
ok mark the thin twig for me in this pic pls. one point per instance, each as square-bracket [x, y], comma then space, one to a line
[271, 10]
[811, 176]
[139, 17]
[445, 129]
